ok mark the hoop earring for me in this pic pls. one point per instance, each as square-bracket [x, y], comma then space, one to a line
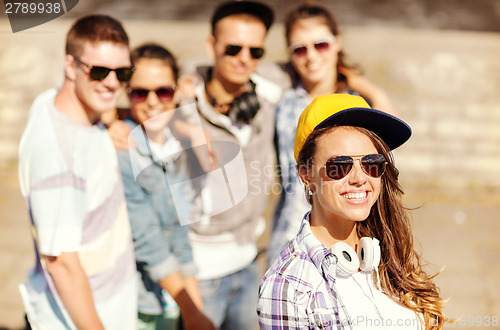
[309, 192]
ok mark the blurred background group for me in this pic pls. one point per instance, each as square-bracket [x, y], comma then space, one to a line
[436, 59]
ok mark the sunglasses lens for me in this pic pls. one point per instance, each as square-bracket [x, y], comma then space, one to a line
[165, 94]
[99, 72]
[374, 165]
[338, 167]
[299, 51]
[138, 95]
[322, 46]
[232, 50]
[124, 74]
[257, 52]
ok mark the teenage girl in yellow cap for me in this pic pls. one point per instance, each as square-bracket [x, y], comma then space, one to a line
[352, 265]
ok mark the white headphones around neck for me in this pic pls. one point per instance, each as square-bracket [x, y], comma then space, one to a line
[367, 259]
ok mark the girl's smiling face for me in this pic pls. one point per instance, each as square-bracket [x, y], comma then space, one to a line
[318, 63]
[152, 74]
[352, 197]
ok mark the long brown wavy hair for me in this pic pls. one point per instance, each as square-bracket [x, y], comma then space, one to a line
[401, 275]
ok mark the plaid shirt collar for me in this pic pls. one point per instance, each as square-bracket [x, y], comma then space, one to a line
[322, 257]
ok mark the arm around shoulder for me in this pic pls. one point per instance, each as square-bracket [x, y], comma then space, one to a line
[376, 95]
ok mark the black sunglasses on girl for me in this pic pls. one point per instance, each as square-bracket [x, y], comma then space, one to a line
[164, 94]
[233, 50]
[299, 49]
[101, 72]
[339, 166]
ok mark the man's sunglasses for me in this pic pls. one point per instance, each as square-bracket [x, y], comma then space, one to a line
[339, 166]
[233, 50]
[164, 94]
[300, 49]
[101, 72]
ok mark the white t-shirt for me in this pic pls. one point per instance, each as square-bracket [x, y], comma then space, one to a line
[211, 254]
[368, 308]
[71, 182]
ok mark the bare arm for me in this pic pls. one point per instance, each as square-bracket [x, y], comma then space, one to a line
[376, 95]
[73, 287]
[197, 137]
[191, 285]
[191, 314]
[183, 129]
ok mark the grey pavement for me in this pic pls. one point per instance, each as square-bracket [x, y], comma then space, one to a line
[443, 82]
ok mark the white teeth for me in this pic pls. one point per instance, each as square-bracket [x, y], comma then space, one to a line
[152, 113]
[107, 94]
[360, 195]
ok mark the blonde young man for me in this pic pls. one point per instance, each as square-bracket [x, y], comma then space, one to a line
[84, 276]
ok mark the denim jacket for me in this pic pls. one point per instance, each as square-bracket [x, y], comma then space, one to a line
[161, 243]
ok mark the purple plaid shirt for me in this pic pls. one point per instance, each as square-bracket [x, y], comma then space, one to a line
[301, 291]
[297, 292]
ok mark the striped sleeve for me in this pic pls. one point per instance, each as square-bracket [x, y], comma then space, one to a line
[57, 206]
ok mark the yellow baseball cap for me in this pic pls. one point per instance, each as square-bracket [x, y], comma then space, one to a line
[349, 110]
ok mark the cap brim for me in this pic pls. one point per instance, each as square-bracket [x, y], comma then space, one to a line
[391, 129]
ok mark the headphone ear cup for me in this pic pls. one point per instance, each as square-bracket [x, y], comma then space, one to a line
[245, 107]
[347, 260]
[368, 253]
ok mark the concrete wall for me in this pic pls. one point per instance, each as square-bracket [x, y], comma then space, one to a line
[443, 82]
